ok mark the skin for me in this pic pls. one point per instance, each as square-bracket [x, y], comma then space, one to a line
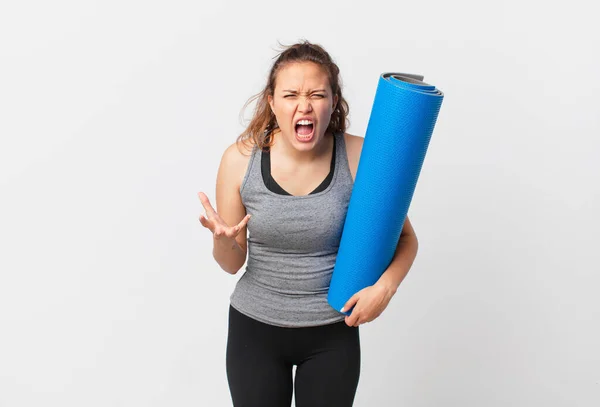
[301, 89]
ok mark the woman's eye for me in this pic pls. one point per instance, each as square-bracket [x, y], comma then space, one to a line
[318, 95]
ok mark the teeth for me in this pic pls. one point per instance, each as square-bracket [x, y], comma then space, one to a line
[305, 122]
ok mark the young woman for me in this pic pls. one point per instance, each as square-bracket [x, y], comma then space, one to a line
[288, 180]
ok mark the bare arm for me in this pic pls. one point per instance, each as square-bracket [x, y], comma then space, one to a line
[229, 242]
[405, 254]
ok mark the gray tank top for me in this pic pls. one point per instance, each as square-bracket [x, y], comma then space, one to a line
[292, 246]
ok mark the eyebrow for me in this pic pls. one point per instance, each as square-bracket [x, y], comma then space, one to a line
[313, 91]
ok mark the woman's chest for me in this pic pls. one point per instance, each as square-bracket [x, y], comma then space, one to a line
[304, 225]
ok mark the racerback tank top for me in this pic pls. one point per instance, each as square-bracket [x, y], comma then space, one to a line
[292, 247]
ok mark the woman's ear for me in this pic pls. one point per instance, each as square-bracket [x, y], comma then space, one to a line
[270, 100]
[335, 101]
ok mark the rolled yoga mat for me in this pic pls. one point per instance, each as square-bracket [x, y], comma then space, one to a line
[402, 119]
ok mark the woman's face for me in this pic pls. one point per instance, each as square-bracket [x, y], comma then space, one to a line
[302, 103]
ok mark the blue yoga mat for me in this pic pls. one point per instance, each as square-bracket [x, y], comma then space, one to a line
[402, 119]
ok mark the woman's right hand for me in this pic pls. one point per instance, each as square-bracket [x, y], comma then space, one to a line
[215, 224]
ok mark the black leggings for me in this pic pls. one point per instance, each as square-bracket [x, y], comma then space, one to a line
[260, 357]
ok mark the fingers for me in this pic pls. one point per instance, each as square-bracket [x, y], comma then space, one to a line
[243, 222]
[235, 230]
[213, 221]
[231, 232]
[350, 303]
[355, 319]
[352, 319]
[209, 211]
[220, 232]
[206, 204]
[204, 221]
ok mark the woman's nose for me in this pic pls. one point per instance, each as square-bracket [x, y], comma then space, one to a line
[304, 104]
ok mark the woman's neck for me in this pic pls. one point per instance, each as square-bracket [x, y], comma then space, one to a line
[282, 147]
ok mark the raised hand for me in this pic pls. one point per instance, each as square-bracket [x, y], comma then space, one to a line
[215, 224]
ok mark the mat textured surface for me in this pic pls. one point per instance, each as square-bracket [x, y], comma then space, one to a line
[402, 119]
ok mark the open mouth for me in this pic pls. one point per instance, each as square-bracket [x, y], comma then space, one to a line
[304, 129]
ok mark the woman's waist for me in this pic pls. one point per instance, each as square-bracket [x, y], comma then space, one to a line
[295, 281]
[282, 307]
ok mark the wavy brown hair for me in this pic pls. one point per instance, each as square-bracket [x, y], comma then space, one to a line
[259, 130]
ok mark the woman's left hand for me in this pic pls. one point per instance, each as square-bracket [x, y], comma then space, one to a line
[368, 304]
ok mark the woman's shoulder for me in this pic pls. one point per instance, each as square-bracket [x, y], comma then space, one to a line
[239, 151]
[353, 149]
[235, 160]
[353, 142]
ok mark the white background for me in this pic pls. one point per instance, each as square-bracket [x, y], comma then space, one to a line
[114, 114]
